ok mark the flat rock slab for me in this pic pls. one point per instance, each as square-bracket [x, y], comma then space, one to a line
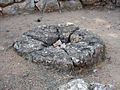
[61, 46]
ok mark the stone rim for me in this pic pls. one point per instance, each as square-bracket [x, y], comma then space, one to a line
[82, 47]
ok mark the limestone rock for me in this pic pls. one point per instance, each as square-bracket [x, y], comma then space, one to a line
[77, 84]
[29, 4]
[13, 9]
[11, 6]
[98, 86]
[71, 5]
[5, 1]
[85, 50]
[51, 5]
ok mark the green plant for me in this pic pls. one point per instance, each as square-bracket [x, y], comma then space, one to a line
[104, 53]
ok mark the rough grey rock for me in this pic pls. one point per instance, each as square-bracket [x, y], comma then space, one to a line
[15, 6]
[49, 5]
[13, 9]
[29, 4]
[79, 48]
[71, 5]
[98, 86]
[79, 84]
[6, 1]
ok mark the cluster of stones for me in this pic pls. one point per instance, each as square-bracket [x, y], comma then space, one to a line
[61, 46]
[79, 84]
[19, 6]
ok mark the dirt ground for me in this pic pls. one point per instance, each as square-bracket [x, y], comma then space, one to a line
[19, 74]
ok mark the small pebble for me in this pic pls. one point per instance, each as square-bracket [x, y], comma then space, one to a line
[25, 74]
[95, 70]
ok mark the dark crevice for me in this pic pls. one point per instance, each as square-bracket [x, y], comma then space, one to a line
[91, 43]
[51, 41]
[85, 49]
[73, 63]
[62, 38]
[77, 28]
[65, 51]
[35, 38]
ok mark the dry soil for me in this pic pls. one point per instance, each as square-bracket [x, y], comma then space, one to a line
[19, 74]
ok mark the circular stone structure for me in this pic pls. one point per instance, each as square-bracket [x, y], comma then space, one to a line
[61, 46]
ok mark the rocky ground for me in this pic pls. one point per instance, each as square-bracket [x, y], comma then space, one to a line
[19, 74]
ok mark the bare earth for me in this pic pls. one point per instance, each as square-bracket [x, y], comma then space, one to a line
[19, 74]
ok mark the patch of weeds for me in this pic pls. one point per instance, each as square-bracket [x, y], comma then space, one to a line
[104, 53]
